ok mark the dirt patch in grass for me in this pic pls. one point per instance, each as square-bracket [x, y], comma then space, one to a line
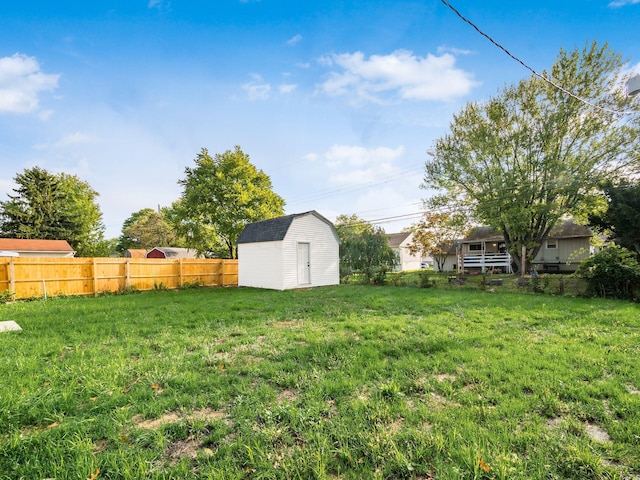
[554, 422]
[186, 448]
[205, 414]
[633, 390]
[287, 396]
[597, 433]
[288, 324]
[446, 377]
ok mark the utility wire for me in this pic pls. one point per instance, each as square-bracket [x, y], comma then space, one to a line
[540, 76]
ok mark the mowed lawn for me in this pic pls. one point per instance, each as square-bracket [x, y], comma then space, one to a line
[348, 382]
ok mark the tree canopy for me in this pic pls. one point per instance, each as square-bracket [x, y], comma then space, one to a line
[621, 220]
[146, 229]
[436, 233]
[221, 194]
[53, 207]
[364, 249]
[533, 154]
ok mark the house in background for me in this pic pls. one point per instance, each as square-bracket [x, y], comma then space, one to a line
[36, 248]
[399, 243]
[293, 251]
[171, 252]
[562, 251]
[135, 253]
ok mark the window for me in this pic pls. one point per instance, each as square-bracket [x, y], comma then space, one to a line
[552, 243]
[475, 247]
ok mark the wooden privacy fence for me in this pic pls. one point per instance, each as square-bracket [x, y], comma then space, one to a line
[41, 276]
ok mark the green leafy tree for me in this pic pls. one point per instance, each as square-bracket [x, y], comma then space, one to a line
[531, 155]
[364, 249]
[612, 272]
[125, 242]
[435, 234]
[221, 194]
[147, 228]
[622, 216]
[50, 206]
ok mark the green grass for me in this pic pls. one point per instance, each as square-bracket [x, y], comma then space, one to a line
[342, 382]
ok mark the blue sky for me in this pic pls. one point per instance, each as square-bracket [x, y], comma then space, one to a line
[337, 101]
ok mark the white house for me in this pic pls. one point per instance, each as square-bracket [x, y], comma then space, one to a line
[294, 251]
[399, 243]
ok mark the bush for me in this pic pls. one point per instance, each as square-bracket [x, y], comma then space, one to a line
[611, 273]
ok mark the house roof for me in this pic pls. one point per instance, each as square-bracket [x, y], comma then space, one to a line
[396, 239]
[34, 245]
[570, 229]
[566, 229]
[274, 229]
[176, 252]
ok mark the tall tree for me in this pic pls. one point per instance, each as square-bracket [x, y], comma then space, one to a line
[125, 241]
[622, 216]
[221, 194]
[53, 206]
[436, 233]
[533, 154]
[147, 228]
[364, 249]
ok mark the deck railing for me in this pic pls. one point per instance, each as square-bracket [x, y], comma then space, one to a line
[487, 260]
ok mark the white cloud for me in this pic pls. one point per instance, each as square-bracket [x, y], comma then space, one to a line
[69, 140]
[622, 3]
[312, 157]
[257, 89]
[456, 51]
[21, 82]
[293, 40]
[287, 88]
[401, 73]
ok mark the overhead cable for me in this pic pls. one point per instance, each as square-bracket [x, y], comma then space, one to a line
[539, 75]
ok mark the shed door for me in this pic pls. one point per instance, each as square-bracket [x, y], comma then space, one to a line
[304, 267]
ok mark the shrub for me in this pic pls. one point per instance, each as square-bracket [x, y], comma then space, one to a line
[613, 272]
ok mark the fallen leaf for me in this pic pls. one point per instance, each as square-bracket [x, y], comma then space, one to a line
[54, 424]
[94, 475]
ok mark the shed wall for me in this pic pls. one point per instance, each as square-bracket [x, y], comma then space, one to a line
[324, 257]
[260, 265]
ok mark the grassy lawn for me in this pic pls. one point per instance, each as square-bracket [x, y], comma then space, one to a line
[343, 382]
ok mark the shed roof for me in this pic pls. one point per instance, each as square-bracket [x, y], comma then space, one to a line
[136, 252]
[175, 252]
[274, 229]
[34, 245]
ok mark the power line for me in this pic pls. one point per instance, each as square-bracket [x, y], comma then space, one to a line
[540, 76]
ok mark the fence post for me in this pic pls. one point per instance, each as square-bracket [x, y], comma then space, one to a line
[12, 277]
[127, 272]
[95, 277]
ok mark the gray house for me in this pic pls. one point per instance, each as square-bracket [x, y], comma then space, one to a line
[294, 251]
[562, 251]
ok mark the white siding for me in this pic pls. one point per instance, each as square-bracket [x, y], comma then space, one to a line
[323, 252]
[260, 265]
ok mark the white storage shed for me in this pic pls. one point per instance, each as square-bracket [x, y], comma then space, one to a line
[294, 251]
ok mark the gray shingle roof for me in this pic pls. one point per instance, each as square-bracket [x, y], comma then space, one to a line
[273, 229]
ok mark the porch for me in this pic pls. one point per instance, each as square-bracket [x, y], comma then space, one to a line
[484, 261]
